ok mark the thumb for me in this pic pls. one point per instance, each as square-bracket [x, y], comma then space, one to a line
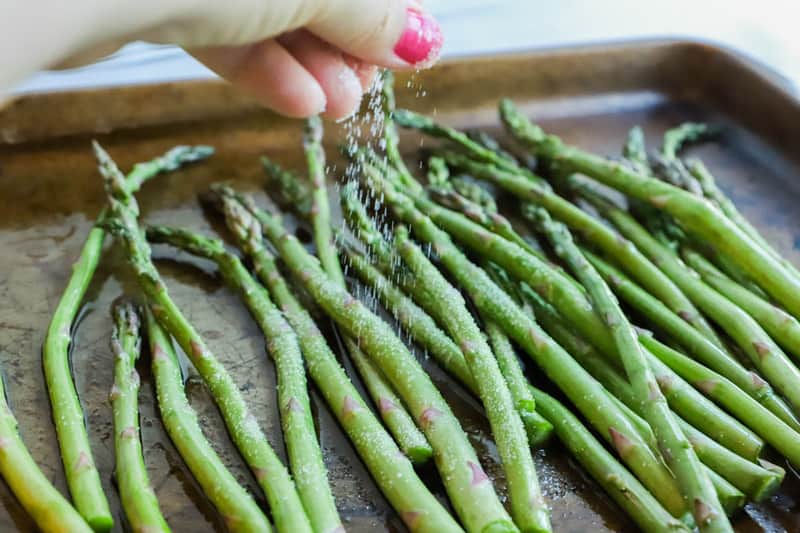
[388, 33]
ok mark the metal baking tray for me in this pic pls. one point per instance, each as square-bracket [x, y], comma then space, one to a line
[51, 193]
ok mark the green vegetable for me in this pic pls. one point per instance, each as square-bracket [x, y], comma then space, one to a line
[445, 304]
[534, 189]
[271, 474]
[583, 390]
[677, 452]
[137, 496]
[623, 487]
[781, 326]
[315, 196]
[758, 482]
[305, 455]
[762, 351]
[470, 490]
[694, 214]
[238, 508]
[76, 453]
[391, 470]
[693, 342]
[37, 495]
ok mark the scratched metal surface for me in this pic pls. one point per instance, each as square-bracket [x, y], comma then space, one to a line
[51, 193]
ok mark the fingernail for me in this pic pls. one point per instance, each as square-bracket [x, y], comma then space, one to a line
[421, 41]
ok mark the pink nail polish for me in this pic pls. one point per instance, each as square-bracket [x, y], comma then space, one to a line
[421, 41]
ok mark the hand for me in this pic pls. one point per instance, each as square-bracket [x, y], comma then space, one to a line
[298, 57]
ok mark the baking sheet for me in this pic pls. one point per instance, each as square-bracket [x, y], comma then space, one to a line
[51, 193]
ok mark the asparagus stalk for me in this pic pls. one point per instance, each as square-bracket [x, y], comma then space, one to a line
[305, 455]
[483, 138]
[715, 194]
[467, 485]
[726, 427]
[765, 355]
[83, 479]
[590, 230]
[534, 189]
[778, 434]
[389, 467]
[688, 132]
[693, 342]
[424, 329]
[538, 428]
[615, 479]
[397, 419]
[781, 326]
[676, 450]
[687, 400]
[271, 474]
[232, 501]
[137, 496]
[581, 388]
[635, 151]
[40, 499]
[758, 482]
[445, 303]
[696, 215]
[406, 119]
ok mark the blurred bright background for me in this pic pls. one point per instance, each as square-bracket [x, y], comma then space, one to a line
[766, 30]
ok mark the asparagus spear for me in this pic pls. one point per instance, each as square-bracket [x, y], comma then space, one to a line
[483, 138]
[271, 474]
[696, 215]
[76, 454]
[311, 202]
[468, 486]
[390, 137]
[623, 487]
[635, 151]
[689, 401]
[453, 223]
[445, 303]
[756, 481]
[783, 438]
[765, 355]
[596, 233]
[716, 195]
[688, 132]
[305, 455]
[421, 326]
[40, 499]
[534, 189]
[137, 496]
[538, 428]
[694, 343]
[781, 326]
[676, 450]
[232, 501]
[583, 390]
[406, 118]
[390, 468]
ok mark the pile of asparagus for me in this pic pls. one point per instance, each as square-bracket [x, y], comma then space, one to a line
[662, 325]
